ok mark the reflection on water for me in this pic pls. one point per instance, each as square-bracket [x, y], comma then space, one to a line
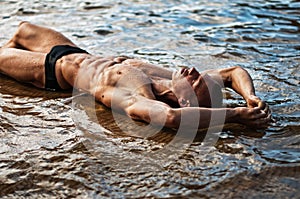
[46, 152]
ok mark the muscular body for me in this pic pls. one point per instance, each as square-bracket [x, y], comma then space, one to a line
[141, 90]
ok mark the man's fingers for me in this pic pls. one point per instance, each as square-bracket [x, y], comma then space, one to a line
[258, 113]
[266, 109]
[269, 118]
[262, 105]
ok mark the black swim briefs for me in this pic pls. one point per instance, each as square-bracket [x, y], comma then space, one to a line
[51, 58]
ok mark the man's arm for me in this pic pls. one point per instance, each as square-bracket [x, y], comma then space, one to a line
[241, 82]
[159, 113]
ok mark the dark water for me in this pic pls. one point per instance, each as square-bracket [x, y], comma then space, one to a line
[60, 145]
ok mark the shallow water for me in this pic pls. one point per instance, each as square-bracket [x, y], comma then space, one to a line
[64, 145]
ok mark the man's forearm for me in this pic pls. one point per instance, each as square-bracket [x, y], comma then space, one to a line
[203, 117]
[195, 117]
[242, 82]
[236, 78]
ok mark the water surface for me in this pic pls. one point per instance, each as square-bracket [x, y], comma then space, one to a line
[46, 151]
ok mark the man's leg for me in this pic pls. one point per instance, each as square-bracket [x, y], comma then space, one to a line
[36, 38]
[23, 65]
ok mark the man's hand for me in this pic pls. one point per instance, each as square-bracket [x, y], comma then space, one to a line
[254, 101]
[253, 117]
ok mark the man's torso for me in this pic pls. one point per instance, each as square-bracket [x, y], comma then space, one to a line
[98, 75]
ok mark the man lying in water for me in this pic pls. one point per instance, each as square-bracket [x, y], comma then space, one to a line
[49, 60]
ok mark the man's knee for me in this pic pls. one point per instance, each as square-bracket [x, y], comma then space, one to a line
[23, 29]
[19, 31]
[23, 23]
